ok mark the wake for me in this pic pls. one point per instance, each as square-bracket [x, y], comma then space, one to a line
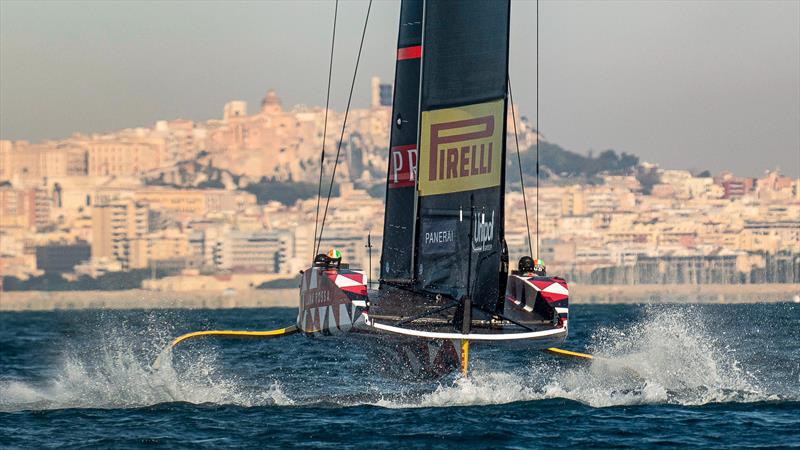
[117, 374]
[667, 358]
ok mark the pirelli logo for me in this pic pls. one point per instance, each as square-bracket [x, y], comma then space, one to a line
[461, 148]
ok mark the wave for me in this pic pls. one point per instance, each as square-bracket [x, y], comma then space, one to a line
[668, 357]
[114, 374]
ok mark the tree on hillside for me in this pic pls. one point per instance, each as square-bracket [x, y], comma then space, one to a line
[286, 192]
[648, 178]
[565, 163]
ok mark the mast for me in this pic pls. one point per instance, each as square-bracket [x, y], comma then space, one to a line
[399, 222]
[462, 150]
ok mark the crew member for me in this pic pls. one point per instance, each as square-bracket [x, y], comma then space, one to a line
[539, 269]
[525, 266]
[335, 258]
[322, 260]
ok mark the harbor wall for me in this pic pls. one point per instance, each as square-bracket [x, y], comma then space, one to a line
[288, 298]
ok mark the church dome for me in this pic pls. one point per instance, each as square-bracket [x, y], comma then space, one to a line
[271, 101]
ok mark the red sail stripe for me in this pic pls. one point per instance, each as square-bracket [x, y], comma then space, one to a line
[412, 52]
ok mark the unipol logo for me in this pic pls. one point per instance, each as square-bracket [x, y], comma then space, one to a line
[402, 166]
[482, 232]
[461, 148]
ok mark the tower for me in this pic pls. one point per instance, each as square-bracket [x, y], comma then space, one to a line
[376, 92]
[236, 108]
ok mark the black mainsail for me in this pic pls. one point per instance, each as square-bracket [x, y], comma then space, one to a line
[462, 149]
[443, 229]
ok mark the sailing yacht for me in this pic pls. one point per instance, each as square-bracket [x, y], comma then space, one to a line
[444, 273]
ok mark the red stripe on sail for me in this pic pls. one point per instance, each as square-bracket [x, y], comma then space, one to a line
[412, 52]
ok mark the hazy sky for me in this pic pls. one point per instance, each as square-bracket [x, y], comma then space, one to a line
[684, 84]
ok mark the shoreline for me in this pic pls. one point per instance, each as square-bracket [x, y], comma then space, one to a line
[288, 298]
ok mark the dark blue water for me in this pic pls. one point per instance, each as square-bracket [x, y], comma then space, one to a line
[708, 376]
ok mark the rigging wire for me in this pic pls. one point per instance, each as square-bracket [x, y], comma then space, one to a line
[344, 125]
[538, 129]
[519, 164]
[325, 128]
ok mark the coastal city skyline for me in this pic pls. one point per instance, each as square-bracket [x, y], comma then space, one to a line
[234, 196]
[599, 90]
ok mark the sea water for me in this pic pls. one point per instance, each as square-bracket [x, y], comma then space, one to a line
[693, 375]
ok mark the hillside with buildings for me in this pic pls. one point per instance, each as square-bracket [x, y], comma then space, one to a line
[230, 202]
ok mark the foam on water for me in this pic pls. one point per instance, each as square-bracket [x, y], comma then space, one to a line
[115, 375]
[667, 358]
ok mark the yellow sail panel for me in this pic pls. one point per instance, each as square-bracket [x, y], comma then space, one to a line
[461, 148]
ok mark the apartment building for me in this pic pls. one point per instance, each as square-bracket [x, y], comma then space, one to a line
[118, 229]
